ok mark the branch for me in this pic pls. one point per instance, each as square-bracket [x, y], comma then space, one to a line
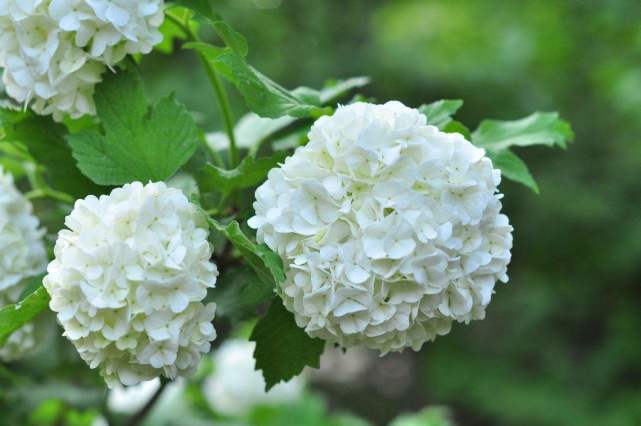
[138, 418]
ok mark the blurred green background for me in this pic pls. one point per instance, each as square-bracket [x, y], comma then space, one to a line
[562, 341]
[561, 344]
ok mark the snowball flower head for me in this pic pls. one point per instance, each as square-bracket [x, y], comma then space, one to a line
[389, 229]
[54, 51]
[127, 283]
[22, 256]
[235, 386]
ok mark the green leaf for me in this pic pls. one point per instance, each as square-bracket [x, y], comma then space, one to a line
[513, 168]
[540, 128]
[262, 95]
[45, 141]
[267, 264]
[232, 38]
[33, 284]
[138, 142]
[11, 114]
[203, 7]
[12, 317]
[431, 416]
[249, 173]
[282, 348]
[455, 126]
[238, 293]
[171, 31]
[336, 88]
[440, 113]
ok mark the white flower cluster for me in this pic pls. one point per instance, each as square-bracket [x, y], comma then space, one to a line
[22, 255]
[390, 229]
[235, 386]
[54, 51]
[128, 280]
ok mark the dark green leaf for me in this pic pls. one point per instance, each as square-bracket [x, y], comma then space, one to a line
[249, 173]
[11, 114]
[137, 142]
[266, 263]
[46, 143]
[540, 128]
[283, 349]
[12, 317]
[440, 113]
[33, 284]
[513, 168]
[239, 292]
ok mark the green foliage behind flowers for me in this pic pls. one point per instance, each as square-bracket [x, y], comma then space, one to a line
[137, 138]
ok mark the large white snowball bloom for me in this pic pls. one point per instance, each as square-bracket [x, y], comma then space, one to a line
[236, 386]
[22, 256]
[128, 280]
[54, 51]
[390, 229]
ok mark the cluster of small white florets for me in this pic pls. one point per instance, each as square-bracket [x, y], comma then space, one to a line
[128, 280]
[23, 255]
[54, 51]
[390, 229]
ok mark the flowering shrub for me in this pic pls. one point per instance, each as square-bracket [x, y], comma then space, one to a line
[376, 225]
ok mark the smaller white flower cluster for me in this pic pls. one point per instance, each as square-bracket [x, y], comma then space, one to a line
[390, 229]
[22, 256]
[128, 280]
[235, 386]
[54, 51]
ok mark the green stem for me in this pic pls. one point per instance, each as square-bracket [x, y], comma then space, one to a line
[219, 90]
[50, 193]
[225, 108]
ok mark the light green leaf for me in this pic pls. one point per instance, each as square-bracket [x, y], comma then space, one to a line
[12, 317]
[267, 264]
[171, 31]
[138, 142]
[337, 88]
[431, 416]
[440, 113]
[456, 126]
[540, 128]
[249, 173]
[262, 95]
[513, 168]
[283, 349]
[203, 7]
[252, 130]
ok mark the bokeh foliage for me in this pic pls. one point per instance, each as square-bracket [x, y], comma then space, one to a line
[561, 342]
